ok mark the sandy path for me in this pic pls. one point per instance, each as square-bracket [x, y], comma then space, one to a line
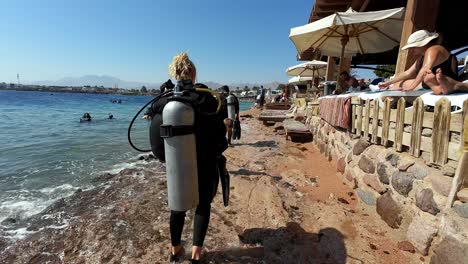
[290, 206]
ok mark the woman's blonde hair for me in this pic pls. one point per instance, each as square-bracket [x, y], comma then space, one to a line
[182, 68]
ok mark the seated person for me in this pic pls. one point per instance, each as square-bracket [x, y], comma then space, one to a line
[348, 83]
[435, 68]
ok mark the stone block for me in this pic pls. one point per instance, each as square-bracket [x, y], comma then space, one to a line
[402, 182]
[462, 195]
[420, 171]
[427, 132]
[366, 164]
[461, 210]
[406, 246]
[393, 158]
[405, 166]
[383, 173]
[367, 197]
[425, 202]
[450, 250]
[389, 210]
[341, 165]
[372, 181]
[420, 233]
[360, 146]
[441, 184]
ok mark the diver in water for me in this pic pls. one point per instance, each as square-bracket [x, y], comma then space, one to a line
[209, 142]
[86, 117]
[111, 116]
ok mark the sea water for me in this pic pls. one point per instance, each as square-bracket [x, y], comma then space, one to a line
[47, 154]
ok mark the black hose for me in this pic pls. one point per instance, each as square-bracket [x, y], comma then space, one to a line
[136, 116]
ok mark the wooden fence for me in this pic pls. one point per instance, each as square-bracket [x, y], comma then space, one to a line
[410, 127]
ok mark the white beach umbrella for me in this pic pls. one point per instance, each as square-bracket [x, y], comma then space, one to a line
[351, 32]
[308, 69]
[299, 79]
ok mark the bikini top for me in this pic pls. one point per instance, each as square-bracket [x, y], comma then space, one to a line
[446, 67]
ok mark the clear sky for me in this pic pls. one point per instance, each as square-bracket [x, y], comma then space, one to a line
[230, 41]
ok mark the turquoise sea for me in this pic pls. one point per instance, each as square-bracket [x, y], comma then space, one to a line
[46, 153]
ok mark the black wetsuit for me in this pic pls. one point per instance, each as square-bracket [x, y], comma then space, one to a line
[211, 142]
[446, 68]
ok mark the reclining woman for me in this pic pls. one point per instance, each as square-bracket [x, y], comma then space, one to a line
[435, 68]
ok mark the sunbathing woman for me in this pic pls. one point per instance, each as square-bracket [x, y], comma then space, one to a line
[435, 69]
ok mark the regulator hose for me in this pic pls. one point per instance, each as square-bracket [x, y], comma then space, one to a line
[215, 94]
[206, 90]
[136, 116]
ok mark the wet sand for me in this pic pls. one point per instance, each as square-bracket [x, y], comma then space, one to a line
[288, 205]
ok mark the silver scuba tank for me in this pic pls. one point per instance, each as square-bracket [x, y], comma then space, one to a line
[181, 156]
[230, 107]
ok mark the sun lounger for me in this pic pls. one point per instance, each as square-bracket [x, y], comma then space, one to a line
[296, 130]
[276, 115]
[456, 99]
[278, 106]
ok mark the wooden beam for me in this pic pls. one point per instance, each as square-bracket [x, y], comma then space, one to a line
[419, 14]
[330, 69]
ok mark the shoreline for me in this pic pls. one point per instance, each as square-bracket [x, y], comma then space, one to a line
[287, 205]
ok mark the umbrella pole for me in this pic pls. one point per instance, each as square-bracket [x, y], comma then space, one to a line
[344, 41]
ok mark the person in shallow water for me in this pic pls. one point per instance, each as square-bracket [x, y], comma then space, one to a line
[111, 116]
[434, 69]
[86, 117]
[210, 143]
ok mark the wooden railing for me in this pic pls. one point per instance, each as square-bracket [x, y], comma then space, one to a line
[411, 128]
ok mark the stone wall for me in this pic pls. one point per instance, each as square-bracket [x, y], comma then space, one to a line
[406, 192]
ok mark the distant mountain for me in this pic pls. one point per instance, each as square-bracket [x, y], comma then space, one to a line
[110, 81]
[99, 80]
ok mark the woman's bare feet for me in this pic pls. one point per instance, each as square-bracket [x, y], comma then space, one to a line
[196, 252]
[446, 84]
[175, 250]
[451, 85]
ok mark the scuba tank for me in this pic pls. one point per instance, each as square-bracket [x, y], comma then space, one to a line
[174, 128]
[231, 107]
[180, 152]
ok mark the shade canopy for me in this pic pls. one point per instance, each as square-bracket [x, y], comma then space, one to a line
[299, 79]
[308, 69]
[357, 32]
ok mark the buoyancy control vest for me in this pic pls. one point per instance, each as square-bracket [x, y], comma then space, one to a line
[180, 136]
[187, 132]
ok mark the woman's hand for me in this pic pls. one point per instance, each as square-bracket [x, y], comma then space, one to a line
[383, 85]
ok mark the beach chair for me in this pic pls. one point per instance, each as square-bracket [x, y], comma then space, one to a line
[296, 130]
[272, 116]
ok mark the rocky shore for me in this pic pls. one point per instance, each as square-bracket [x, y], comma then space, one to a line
[288, 205]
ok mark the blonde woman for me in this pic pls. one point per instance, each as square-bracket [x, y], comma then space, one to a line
[210, 144]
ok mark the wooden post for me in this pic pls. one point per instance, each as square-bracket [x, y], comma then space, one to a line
[462, 170]
[359, 120]
[416, 127]
[400, 124]
[386, 121]
[345, 65]
[366, 119]
[375, 122]
[419, 14]
[331, 69]
[441, 132]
